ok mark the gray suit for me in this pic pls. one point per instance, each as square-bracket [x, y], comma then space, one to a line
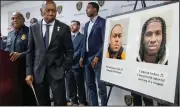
[48, 66]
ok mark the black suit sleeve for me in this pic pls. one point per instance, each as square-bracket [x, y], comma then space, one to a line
[68, 49]
[23, 54]
[30, 54]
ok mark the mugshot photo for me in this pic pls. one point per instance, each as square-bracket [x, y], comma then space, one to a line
[118, 39]
[154, 37]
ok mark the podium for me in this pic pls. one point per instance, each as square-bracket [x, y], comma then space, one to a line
[10, 84]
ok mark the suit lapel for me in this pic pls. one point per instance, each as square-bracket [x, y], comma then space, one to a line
[13, 41]
[56, 31]
[94, 26]
[39, 28]
[86, 29]
[75, 39]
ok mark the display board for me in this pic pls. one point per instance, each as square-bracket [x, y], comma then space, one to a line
[141, 51]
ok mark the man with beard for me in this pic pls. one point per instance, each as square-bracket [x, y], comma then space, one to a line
[75, 78]
[115, 49]
[152, 49]
[17, 43]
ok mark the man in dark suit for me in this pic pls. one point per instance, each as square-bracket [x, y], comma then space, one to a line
[50, 55]
[91, 55]
[75, 78]
[17, 42]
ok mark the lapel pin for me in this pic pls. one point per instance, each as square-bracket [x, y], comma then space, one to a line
[58, 28]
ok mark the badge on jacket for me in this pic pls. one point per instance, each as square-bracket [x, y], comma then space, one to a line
[23, 37]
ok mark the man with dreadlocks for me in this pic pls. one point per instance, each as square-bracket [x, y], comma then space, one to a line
[152, 49]
[115, 49]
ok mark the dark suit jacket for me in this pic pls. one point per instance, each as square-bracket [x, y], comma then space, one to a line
[56, 59]
[21, 43]
[77, 45]
[95, 40]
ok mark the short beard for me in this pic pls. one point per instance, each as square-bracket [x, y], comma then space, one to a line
[75, 30]
[112, 52]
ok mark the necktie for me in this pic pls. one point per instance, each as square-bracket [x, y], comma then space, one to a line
[73, 36]
[46, 37]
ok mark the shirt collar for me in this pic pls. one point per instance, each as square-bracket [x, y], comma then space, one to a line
[18, 32]
[74, 33]
[52, 23]
[94, 19]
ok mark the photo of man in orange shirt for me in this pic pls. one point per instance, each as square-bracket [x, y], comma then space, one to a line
[115, 49]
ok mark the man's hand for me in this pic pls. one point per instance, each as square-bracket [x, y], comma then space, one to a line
[81, 62]
[29, 80]
[94, 61]
[14, 56]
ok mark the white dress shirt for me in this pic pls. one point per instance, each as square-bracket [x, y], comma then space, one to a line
[50, 29]
[91, 23]
[75, 34]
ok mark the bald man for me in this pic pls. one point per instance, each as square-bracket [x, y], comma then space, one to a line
[17, 43]
[50, 55]
[33, 20]
[115, 49]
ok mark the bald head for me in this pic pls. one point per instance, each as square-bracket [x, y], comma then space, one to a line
[48, 11]
[17, 13]
[17, 20]
[48, 2]
[33, 20]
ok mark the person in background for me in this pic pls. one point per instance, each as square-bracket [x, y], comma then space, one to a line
[91, 55]
[75, 78]
[50, 54]
[17, 43]
[10, 28]
[33, 20]
[115, 49]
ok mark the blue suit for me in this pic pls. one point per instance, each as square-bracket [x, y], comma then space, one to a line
[95, 47]
[75, 79]
[77, 45]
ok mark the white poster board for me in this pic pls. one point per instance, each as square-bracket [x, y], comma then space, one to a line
[157, 80]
